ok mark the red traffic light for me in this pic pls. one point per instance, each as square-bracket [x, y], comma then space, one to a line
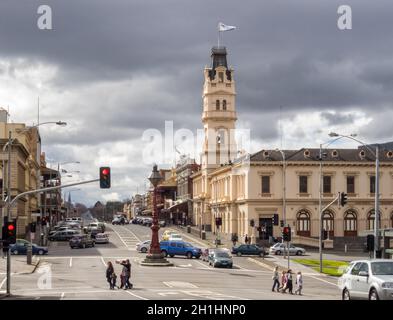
[105, 171]
[11, 227]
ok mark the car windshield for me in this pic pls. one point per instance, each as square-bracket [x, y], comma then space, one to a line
[187, 244]
[382, 268]
[222, 255]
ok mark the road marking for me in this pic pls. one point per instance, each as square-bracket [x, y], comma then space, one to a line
[179, 284]
[316, 278]
[62, 296]
[121, 239]
[71, 262]
[260, 263]
[103, 261]
[203, 265]
[135, 295]
[136, 237]
[2, 282]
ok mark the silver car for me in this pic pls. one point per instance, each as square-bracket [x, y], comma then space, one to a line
[368, 279]
[143, 246]
[281, 248]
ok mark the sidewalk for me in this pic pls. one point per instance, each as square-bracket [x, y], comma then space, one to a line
[18, 265]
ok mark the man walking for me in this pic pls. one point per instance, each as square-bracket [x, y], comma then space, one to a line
[299, 283]
[275, 278]
[246, 239]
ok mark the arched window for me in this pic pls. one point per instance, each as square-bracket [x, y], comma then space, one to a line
[224, 105]
[328, 222]
[303, 223]
[371, 219]
[350, 224]
[217, 104]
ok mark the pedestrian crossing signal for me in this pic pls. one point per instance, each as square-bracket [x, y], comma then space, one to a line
[286, 234]
[105, 177]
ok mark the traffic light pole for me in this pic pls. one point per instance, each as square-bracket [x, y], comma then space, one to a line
[376, 215]
[10, 203]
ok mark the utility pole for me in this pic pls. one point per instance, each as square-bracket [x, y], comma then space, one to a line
[9, 212]
[320, 208]
[376, 223]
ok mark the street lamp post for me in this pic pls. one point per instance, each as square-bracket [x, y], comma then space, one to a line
[376, 206]
[155, 256]
[284, 205]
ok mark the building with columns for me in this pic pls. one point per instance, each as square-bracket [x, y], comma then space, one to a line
[251, 187]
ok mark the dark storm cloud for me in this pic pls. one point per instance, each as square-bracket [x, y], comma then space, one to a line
[126, 66]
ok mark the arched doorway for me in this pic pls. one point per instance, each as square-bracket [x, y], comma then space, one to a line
[303, 223]
[350, 224]
[371, 219]
[328, 222]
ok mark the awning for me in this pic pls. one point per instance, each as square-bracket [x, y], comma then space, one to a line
[182, 205]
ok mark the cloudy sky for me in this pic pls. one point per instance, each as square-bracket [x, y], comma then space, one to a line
[113, 69]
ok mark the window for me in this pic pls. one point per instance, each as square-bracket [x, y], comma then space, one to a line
[303, 223]
[217, 104]
[356, 268]
[372, 184]
[328, 222]
[371, 219]
[224, 105]
[303, 184]
[350, 224]
[327, 184]
[350, 184]
[221, 77]
[265, 184]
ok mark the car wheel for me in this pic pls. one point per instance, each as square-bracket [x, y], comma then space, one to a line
[144, 250]
[40, 252]
[278, 252]
[165, 254]
[346, 295]
[373, 295]
[239, 254]
[189, 255]
[299, 253]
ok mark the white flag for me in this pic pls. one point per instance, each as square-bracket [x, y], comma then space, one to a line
[224, 27]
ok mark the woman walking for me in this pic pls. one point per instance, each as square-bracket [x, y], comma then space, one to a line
[110, 273]
[283, 287]
[289, 281]
[126, 274]
[299, 283]
[275, 278]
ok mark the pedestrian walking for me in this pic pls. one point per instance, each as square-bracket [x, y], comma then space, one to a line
[299, 283]
[275, 278]
[283, 282]
[289, 281]
[246, 239]
[109, 274]
[234, 239]
[126, 274]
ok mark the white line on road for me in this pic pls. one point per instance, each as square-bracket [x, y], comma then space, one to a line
[2, 282]
[316, 278]
[121, 239]
[136, 237]
[71, 262]
[203, 265]
[135, 295]
[103, 261]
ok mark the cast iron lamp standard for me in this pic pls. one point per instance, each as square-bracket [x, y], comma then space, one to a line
[155, 257]
[376, 209]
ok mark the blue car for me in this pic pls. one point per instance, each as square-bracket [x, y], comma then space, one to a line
[179, 248]
[21, 248]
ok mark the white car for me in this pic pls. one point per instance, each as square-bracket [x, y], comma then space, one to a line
[281, 248]
[102, 238]
[367, 279]
[175, 237]
[143, 246]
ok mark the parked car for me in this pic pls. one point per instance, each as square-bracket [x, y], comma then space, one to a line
[220, 258]
[21, 248]
[249, 249]
[147, 221]
[281, 248]
[81, 241]
[367, 279]
[175, 237]
[143, 246]
[101, 238]
[97, 225]
[180, 248]
[117, 221]
[162, 223]
[60, 229]
[166, 234]
[63, 235]
[93, 231]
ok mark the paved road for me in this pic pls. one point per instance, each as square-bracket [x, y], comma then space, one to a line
[80, 274]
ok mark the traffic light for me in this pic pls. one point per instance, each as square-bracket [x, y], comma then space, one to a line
[105, 177]
[9, 233]
[370, 242]
[343, 199]
[286, 233]
[275, 219]
[282, 223]
[252, 223]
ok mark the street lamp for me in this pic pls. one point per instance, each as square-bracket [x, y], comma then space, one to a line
[284, 193]
[155, 256]
[376, 208]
